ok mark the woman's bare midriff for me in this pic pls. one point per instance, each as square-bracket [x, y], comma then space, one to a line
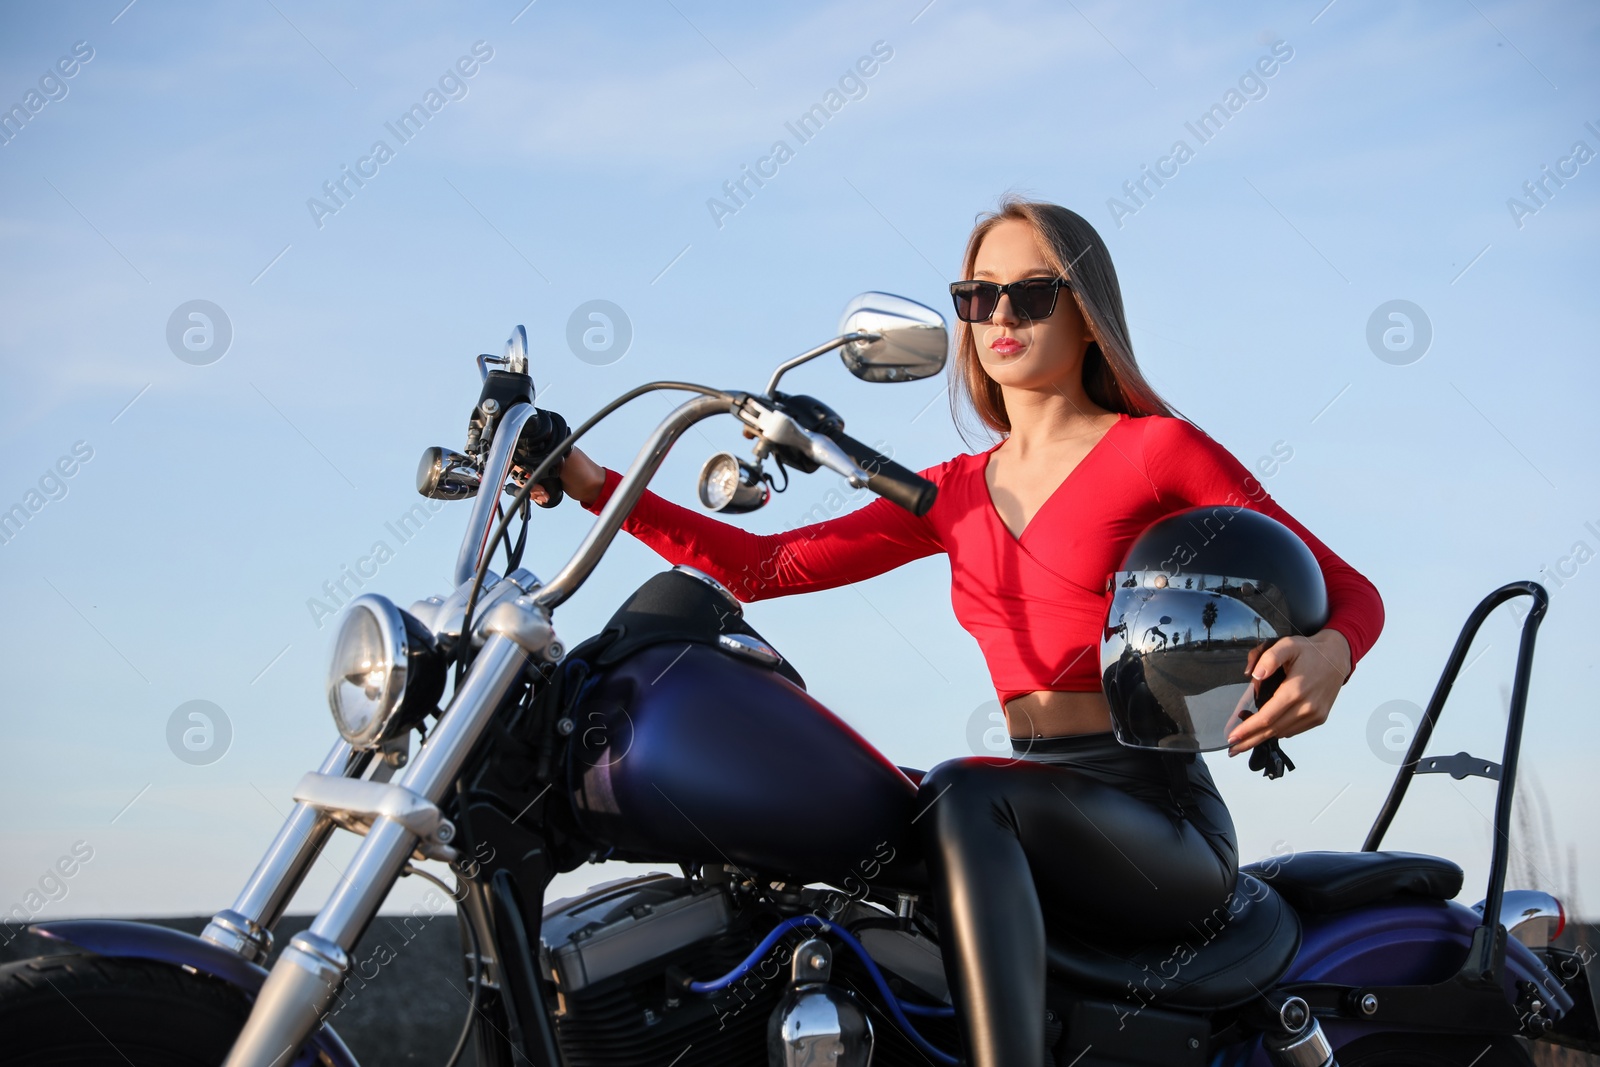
[1053, 714]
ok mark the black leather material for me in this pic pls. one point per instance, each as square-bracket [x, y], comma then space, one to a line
[1230, 958]
[1319, 882]
[1076, 832]
[671, 607]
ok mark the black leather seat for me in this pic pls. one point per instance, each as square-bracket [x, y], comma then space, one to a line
[1231, 957]
[1320, 882]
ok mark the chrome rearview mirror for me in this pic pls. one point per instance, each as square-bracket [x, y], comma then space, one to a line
[911, 343]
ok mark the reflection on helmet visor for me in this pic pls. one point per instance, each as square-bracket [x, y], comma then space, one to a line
[1174, 660]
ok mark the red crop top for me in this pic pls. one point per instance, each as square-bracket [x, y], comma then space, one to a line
[1036, 604]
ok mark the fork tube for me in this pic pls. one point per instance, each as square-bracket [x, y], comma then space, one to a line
[246, 928]
[303, 982]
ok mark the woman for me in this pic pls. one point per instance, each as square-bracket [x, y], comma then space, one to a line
[1079, 828]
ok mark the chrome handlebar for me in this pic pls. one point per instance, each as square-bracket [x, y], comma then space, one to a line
[772, 426]
[629, 490]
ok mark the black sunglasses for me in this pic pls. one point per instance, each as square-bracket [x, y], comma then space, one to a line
[1031, 298]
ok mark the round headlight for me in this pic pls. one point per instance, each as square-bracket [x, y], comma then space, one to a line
[719, 480]
[375, 661]
[730, 485]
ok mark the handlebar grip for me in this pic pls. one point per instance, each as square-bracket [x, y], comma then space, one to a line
[542, 432]
[890, 480]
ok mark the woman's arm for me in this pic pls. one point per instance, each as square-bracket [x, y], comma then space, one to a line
[1188, 468]
[823, 555]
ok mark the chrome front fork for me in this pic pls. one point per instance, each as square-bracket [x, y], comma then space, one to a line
[246, 928]
[403, 818]
[398, 820]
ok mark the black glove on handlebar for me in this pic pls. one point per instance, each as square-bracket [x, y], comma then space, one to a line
[540, 434]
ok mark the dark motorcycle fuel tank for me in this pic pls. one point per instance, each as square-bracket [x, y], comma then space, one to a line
[685, 751]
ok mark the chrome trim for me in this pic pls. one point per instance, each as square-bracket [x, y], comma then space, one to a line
[355, 804]
[281, 869]
[751, 648]
[238, 934]
[817, 1023]
[1530, 916]
[297, 993]
[702, 576]
[444, 617]
[805, 357]
[909, 340]
[527, 624]
[1293, 1014]
[1309, 1048]
[392, 633]
[627, 494]
[516, 357]
[780, 428]
[493, 479]
[321, 952]
[750, 493]
[445, 474]
[813, 961]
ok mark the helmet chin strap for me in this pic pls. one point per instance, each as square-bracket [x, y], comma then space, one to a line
[1269, 758]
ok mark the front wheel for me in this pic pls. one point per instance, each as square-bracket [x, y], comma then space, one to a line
[1432, 1050]
[89, 1011]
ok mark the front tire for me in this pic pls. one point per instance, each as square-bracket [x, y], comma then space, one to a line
[89, 1011]
[1432, 1050]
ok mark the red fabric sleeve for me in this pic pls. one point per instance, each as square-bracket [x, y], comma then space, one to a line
[1188, 468]
[869, 541]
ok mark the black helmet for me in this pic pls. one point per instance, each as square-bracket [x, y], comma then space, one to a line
[1198, 591]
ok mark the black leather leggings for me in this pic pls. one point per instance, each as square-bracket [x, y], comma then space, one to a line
[1079, 831]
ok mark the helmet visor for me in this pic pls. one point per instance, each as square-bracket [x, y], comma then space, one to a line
[1175, 662]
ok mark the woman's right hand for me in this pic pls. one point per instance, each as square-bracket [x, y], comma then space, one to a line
[581, 478]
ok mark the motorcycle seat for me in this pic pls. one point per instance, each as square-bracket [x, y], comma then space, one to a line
[1320, 882]
[1229, 957]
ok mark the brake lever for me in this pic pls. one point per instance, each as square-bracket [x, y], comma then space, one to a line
[779, 428]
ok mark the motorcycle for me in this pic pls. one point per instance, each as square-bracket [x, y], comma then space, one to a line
[799, 930]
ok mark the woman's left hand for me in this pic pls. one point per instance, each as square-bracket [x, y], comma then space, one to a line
[1314, 668]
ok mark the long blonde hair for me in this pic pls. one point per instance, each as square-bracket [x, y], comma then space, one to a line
[1111, 376]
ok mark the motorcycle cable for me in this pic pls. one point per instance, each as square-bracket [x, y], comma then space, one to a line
[897, 1009]
[477, 965]
[544, 468]
[514, 552]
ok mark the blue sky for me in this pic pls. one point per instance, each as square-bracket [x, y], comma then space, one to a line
[577, 162]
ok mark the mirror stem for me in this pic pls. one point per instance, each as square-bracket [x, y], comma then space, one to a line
[821, 350]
